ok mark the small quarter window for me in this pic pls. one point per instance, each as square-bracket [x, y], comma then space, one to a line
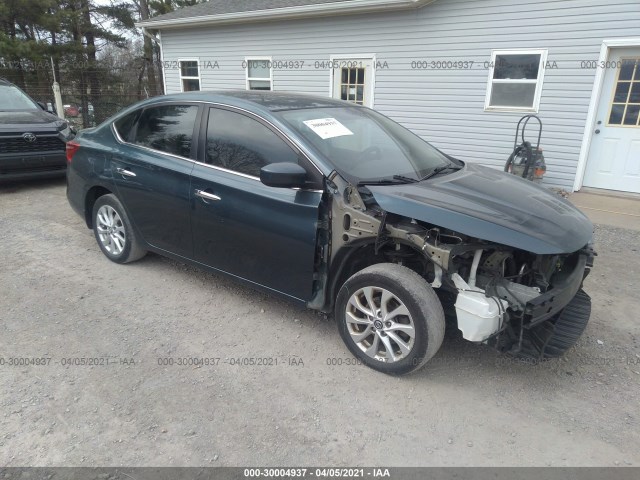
[167, 128]
[124, 125]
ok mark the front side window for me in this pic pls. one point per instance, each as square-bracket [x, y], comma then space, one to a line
[242, 144]
[189, 75]
[12, 98]
[167, 128]
[515, 80]
[259, 74]
[364, 145]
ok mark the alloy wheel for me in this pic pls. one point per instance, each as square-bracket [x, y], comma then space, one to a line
[111, 230]
[380, 324]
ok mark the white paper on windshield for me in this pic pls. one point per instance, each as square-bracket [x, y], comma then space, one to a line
[328, 128]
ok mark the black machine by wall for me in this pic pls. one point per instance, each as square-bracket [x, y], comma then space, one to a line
[527, 161]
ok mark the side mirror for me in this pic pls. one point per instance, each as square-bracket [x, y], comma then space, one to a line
[283, 175]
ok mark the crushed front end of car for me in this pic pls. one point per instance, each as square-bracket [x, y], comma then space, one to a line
[506, 258]
[522, 303]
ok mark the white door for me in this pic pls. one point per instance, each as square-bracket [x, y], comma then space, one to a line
[614, 156]
[353, 80]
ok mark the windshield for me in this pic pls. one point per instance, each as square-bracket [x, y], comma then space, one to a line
[12, 98]
[364, 145]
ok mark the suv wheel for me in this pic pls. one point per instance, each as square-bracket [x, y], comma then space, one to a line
[390, 318]
[113, 231]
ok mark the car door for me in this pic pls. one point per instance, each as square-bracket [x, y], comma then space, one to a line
[262, 234]
[151, 168]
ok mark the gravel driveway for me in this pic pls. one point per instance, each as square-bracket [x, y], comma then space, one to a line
[275, 385]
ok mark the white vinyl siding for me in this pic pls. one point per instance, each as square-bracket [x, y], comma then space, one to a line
[444, 105]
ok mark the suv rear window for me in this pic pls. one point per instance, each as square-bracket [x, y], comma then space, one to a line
[167, 128]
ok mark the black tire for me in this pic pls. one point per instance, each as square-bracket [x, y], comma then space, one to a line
[421, 302]
[553, 337]
[132, 249]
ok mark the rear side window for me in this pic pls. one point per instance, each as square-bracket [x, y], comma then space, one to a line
[167, 128]
[240, 143]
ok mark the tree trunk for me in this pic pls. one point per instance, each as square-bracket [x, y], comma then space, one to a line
[140, 79]
[16, 60]
[158, 59]
[92, 71]
[56, 60]
[148, 52]
[77, 39]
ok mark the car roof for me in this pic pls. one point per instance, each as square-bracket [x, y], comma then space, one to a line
[256, 100]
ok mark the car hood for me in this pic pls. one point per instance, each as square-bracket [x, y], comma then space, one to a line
[491, 205]
[30, 117]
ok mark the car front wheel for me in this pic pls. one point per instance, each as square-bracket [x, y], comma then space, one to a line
[390, 318]
[113, 231]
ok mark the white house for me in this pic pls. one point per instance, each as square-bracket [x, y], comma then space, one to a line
[460, 73]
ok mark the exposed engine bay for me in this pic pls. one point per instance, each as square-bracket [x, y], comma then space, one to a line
[495, 292]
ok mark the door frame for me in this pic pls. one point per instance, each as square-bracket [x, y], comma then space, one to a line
[605, 51]
[365, 56]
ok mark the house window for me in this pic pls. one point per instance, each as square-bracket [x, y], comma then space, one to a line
[515, 80]
[625, 107]
[352, 85]
[259, 73]
[189, 75]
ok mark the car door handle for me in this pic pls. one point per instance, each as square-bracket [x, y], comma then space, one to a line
[125, 172]
[207, 196]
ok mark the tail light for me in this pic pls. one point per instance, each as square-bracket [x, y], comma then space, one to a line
[72, 148]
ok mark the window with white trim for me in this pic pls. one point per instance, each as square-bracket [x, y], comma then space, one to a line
[189, 75]
[625, 105]
[515, 80]
[259, 73]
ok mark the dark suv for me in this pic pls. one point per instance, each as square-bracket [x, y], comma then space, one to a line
[32, 140]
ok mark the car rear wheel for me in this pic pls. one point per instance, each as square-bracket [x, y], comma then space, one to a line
[390, 318]
[113, 231]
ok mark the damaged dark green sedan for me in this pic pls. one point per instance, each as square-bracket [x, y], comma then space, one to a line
[336, 207]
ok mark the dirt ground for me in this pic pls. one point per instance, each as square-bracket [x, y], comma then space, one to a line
[62, 301]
